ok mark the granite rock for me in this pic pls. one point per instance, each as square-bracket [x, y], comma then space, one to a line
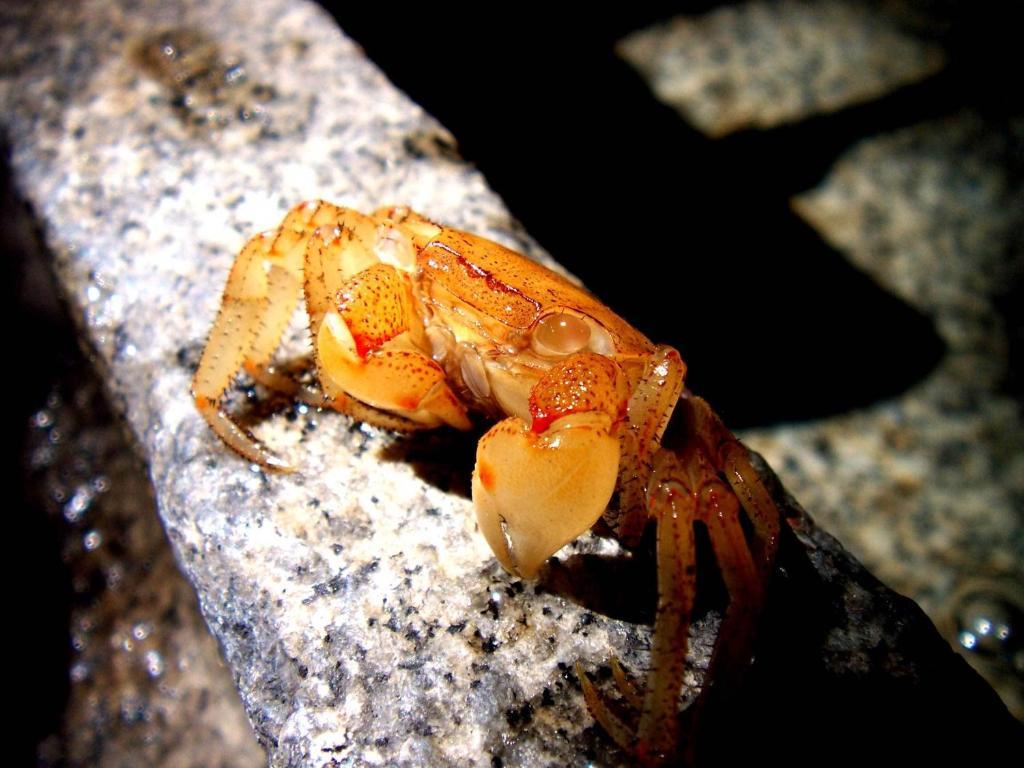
[763, 64]
[925, 488]
[362, 616]
[147, 684]
[364, 620]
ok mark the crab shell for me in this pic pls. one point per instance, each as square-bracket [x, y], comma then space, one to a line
[521, 341]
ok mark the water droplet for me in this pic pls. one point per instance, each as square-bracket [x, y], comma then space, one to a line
[79, 672]
[92, 540]
[142, 630]
[154, 663]
[42, 419]
[78, 503]
[991, 617]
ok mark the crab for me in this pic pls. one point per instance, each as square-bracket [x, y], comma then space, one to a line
[415, 325]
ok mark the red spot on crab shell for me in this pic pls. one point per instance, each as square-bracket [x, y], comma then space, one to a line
[408, 402]
[486, 474]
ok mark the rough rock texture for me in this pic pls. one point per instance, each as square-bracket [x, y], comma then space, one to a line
[364, 620]
[760, 64]
[933, 213]
[925, 487]
[147, 685]
[360, 612]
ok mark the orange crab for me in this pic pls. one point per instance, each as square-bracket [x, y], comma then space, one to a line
[414, 325]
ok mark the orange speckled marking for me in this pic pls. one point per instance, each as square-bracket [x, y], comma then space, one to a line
[508, 287]
[375, 305]
[585, 381]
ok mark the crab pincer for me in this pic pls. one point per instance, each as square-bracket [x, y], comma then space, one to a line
[538, 486]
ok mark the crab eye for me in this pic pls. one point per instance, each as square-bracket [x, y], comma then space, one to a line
[560, 334]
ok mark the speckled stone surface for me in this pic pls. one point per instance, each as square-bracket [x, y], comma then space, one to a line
[928, 489]
[364, 620]
[760, 64]
[147, 685]
[361, 615]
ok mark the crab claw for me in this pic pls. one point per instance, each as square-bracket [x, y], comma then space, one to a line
[366, 348]
[534, 493]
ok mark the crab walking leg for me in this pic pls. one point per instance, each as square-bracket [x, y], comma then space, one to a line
[337, 251]
[684, 488]
[745, 566]
[261, 294]
[713, 468]
[622, 733]
[746, 595]
[650, 407]
[689, 485]
[732, 459]
[626, 687]
[674, 503]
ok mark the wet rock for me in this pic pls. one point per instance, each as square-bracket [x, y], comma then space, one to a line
[147, 684]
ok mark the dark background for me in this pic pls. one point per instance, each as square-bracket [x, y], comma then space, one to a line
[691, 239]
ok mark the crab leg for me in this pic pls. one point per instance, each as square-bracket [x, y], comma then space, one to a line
[733, 460]
[315, 251]
[262, 291]
[708, 478]
[745, 565]
[713, 469]
[334, 254]
[674, 503]
[682, 487]
[650, 407]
